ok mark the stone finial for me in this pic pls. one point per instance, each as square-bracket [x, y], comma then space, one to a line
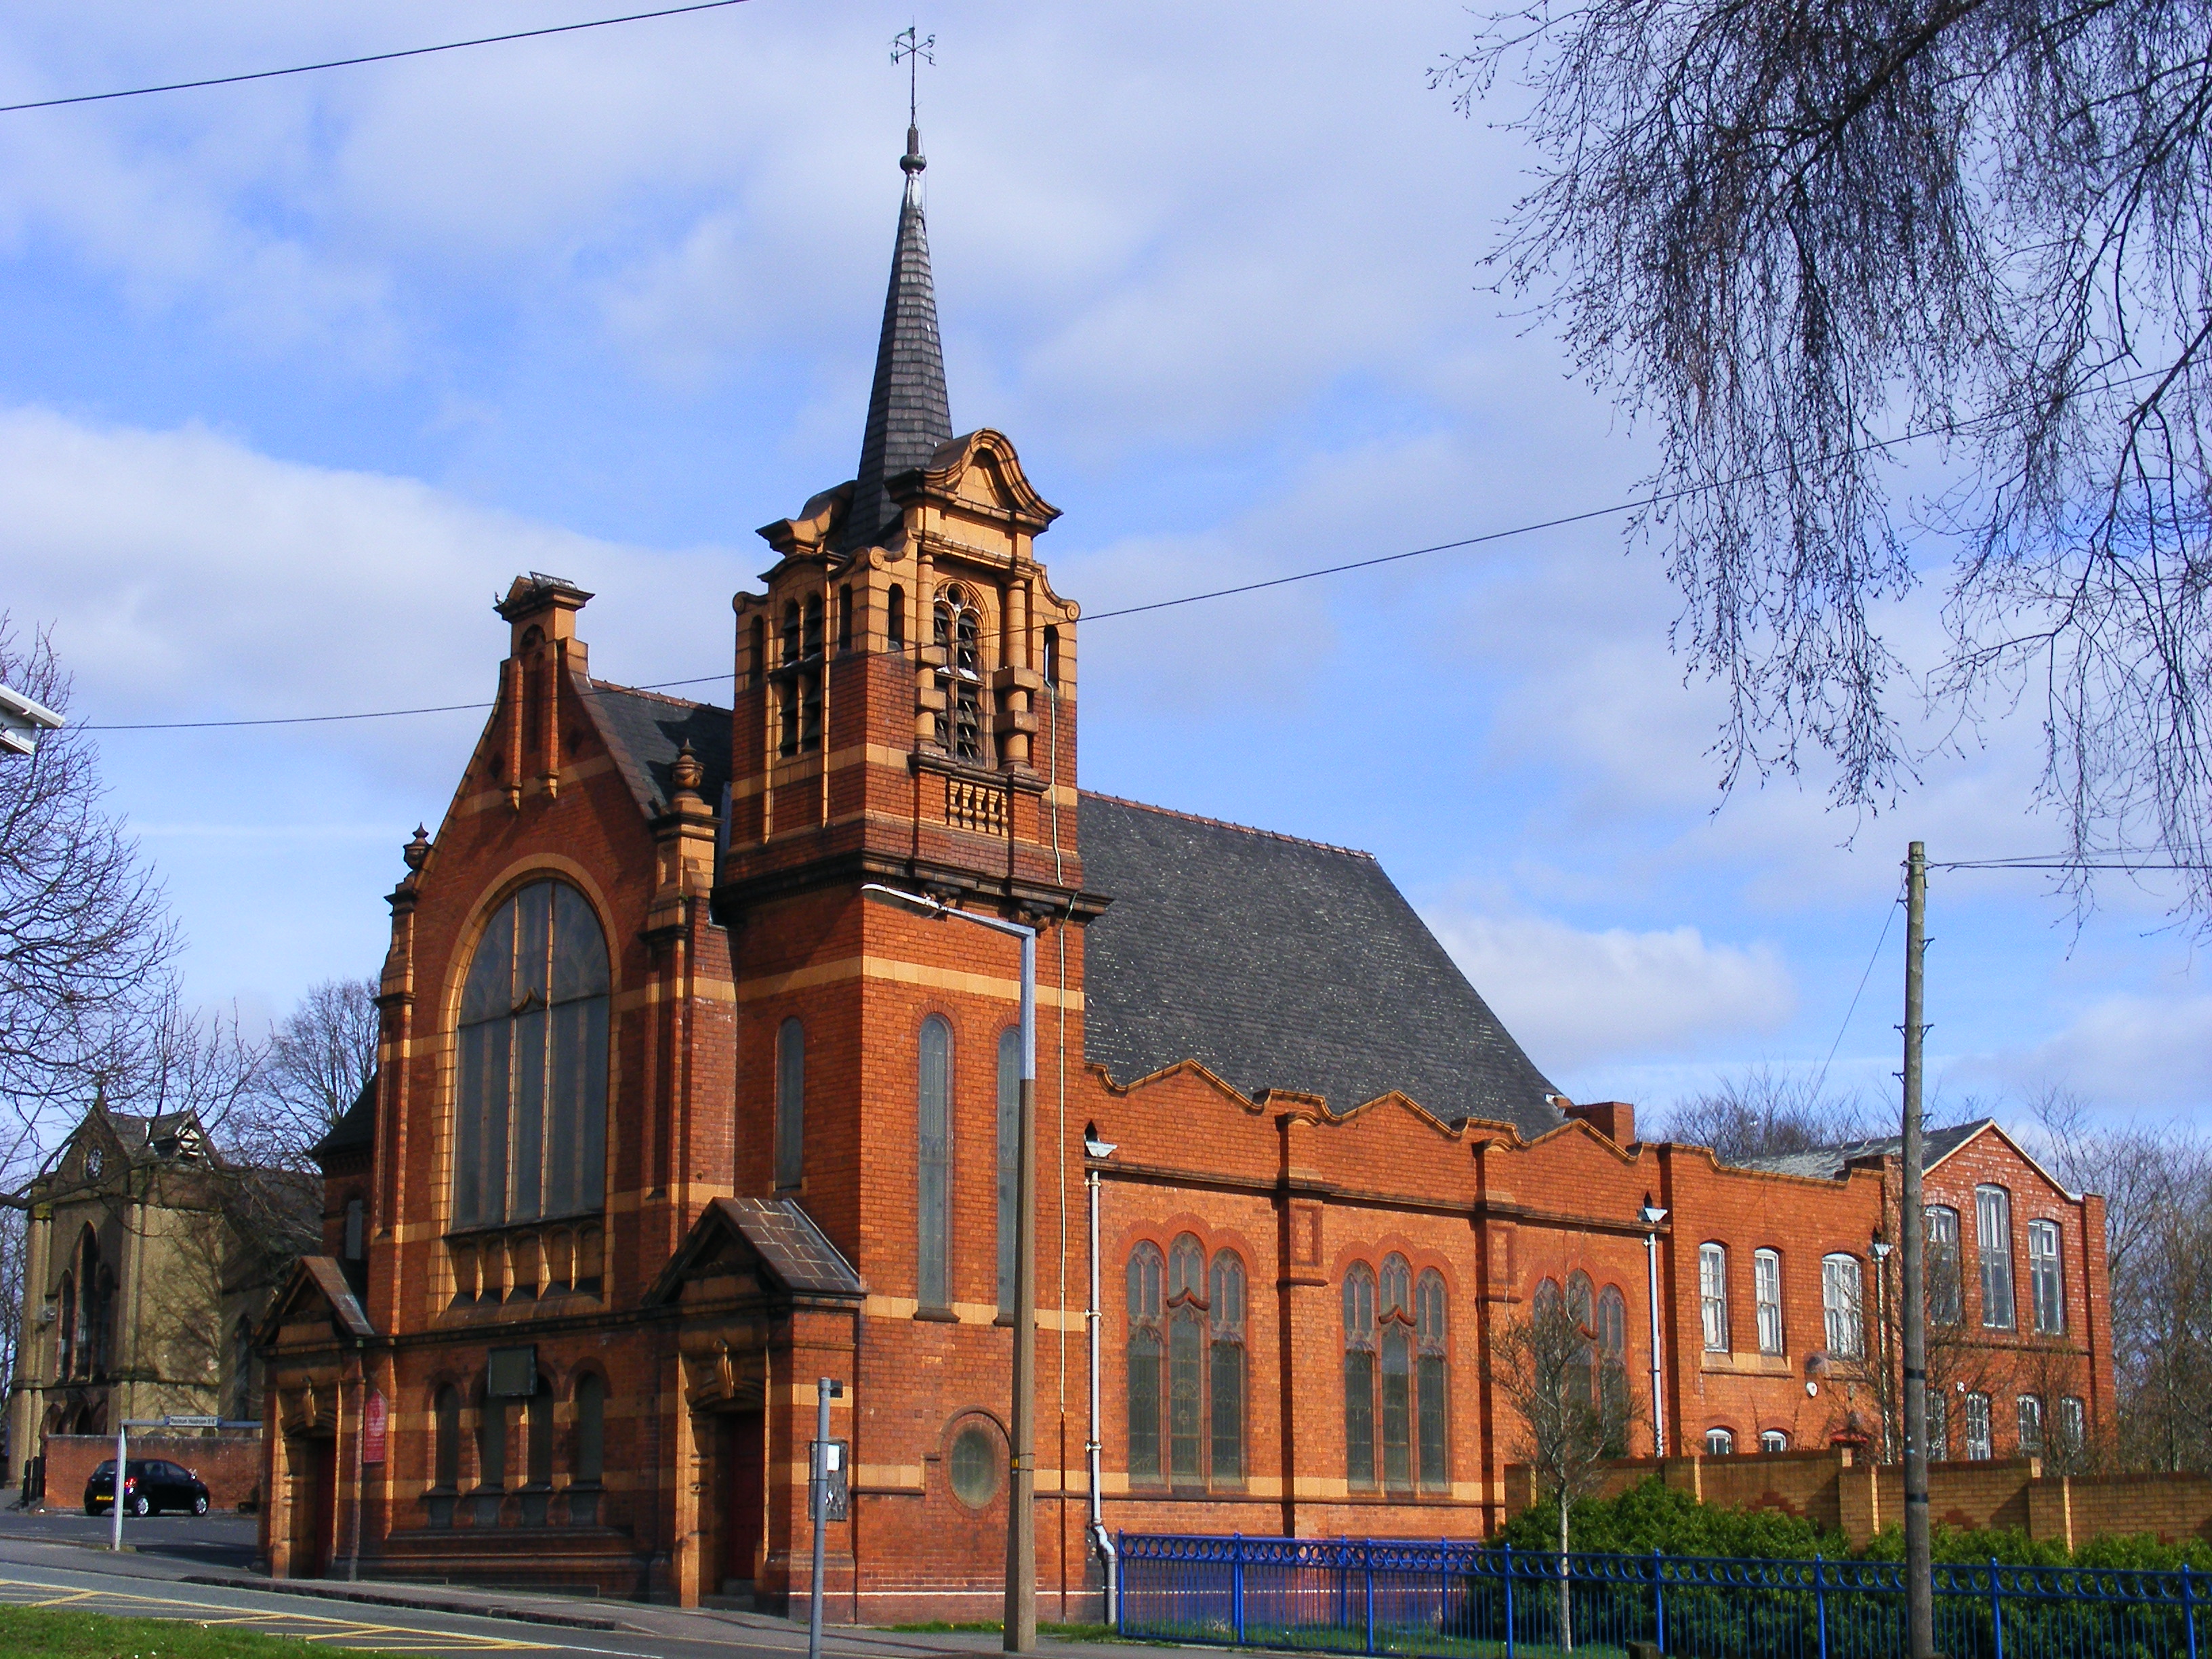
[688, 771]
[417, 853]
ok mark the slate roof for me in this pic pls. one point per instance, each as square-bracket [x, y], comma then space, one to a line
[1828, 1163]
[157, 1136]
[645, 731]
[909, 414]
[1283, 963]
[355, 1131]
[799, 1252]
[330, 1279]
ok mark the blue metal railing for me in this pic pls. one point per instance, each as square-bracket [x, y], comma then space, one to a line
[1462, 1600]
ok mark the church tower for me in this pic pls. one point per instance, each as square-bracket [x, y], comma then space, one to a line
[903, 712]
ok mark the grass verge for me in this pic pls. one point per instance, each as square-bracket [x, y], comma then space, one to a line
[49, 1633]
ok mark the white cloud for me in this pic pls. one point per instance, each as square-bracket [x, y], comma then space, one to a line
[187, 577]
[2128, 1050]
[1575, 997]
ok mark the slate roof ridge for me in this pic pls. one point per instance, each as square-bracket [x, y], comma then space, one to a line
[1935, 1145]
[1225, 824]
[598, 684]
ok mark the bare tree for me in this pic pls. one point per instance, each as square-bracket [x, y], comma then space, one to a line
[1796, 233]
[2157, 1186]
[320, 1058]
[1575, 1412]
[1764, 1114]
[86, 942]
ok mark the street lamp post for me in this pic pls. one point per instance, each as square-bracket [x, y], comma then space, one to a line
[1880, 1249]
[1651, 1215]
[1021, 1512]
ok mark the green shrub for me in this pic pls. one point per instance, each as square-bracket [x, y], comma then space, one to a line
[1656, 1516]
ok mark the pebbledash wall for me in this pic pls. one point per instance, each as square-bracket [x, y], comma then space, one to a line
[1837, 1487]
[1333, 1177]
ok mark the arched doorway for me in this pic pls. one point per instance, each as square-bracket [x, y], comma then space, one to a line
[312, 1502]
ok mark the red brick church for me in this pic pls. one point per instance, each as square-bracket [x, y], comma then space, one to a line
[671, 1121]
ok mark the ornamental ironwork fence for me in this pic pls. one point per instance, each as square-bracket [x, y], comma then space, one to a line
[1460, 1600]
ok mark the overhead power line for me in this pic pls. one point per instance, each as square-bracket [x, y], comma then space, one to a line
[370, 57]
[1634, 504]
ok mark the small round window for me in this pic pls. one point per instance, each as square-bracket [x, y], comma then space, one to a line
[974, 1468]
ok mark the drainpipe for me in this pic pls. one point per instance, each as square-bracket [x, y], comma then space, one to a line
[1651, 1215]
[1101, 1539]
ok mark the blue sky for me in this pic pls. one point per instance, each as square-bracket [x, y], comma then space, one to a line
[299, 373]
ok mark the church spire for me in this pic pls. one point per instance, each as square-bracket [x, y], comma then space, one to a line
[908, 416]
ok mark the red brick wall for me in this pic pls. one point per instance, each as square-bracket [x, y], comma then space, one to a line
[230, 1464]
[1299, 1189]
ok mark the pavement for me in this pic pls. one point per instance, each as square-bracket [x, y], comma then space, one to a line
[179, 1567]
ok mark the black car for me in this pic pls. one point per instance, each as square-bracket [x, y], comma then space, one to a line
[150, 1486]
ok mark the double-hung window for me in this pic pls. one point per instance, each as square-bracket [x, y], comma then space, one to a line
[1993, 1235]
[2046, 1278]
[1766, 1284]
[1978, 1427]
[1840, 1305]
[1712, 1294]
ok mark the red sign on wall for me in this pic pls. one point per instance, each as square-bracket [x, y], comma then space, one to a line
[373, 1429]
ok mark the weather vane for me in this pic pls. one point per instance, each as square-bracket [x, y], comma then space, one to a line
[913, 51]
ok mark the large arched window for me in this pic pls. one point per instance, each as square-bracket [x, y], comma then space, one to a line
[1226, 1365]
[1186, 1361]
[957, 631]
[1396, 1321]
[933, 1167]
[1613, 1367]
[1359, 1375]
[1430, 1384]
[1146, 1270]
[1581, 1310]
[66, 1327]
[790, 1105]
[1010, 1159]
[1947, 1302]
[530, 1128]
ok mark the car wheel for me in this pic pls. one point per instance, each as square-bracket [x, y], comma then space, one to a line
[91, 1507]
[199, 1504]
[141, 1505]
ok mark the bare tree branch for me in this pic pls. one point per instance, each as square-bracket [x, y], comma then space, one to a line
[1789, 231]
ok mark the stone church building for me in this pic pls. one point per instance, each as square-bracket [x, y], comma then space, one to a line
[672, 1119]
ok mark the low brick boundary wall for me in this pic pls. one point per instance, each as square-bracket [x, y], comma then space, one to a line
[229, 1460]
[1834, 1489]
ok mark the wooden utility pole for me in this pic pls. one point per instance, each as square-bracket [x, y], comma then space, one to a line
[1919, 1583]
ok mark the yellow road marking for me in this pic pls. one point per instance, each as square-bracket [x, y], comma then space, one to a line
[308, 1626]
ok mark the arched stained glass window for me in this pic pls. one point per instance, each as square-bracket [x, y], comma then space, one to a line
[1010, 1159]
[1432, 1387]
[933, 1168]
[790, 1106]
[1582, 1308]
[1397, 1368]
[1359, 1375]
[1613, 1367]
[1146, 1270]
[1186, 1361]
[531, 1110]
[1226, 1364]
